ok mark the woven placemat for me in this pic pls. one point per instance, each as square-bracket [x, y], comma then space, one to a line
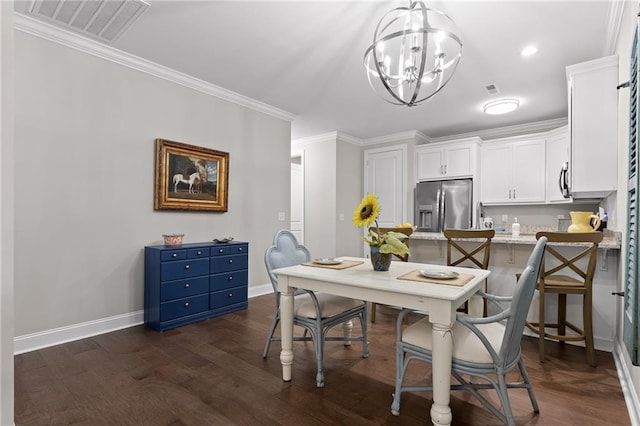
[343, 265]
[415, 275]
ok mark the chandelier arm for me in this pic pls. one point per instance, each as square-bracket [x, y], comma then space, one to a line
[423, 60]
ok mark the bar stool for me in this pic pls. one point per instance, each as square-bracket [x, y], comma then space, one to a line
[579, 282]
[402, 257]
[476, 256]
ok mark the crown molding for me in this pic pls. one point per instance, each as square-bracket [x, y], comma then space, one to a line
[329, 137]
[69, 39]
[417, 135]
[344, 137]
[501, 132]
[614, 20]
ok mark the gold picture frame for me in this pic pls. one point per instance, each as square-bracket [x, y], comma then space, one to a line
[189, 177]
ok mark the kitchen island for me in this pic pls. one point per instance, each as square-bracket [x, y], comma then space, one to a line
[509, 256]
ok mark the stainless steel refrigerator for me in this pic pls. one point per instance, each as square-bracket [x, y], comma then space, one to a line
[443, 204]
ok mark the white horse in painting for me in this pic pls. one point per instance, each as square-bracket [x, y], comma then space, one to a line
[193, 177]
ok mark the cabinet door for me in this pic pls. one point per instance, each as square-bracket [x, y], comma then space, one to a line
[385, 176]
[430, 164]
[529, 172]
[593, 122]
[458, 162]
[496, 173]
[557, 154]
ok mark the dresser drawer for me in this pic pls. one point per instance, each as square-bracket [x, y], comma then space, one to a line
[229, 263]
[177, 254]
[228, 280]
[183, 307]
[196, 253]
[227, 297]
[183, 288]
[225, 250]
[183, 269]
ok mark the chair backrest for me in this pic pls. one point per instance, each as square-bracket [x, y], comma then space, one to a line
[405, 231]
[285, 251]
[478, 254]
[564, 264]
[520, 302]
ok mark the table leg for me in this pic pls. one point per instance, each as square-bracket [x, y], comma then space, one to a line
[441, 374]
[286, 332]
[476, 306]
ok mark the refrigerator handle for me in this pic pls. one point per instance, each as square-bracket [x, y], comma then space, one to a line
[442, 212]
[439, 209]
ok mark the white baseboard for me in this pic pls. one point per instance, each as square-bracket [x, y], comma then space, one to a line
[626, 383]
[260, 290]
[57, 336]
[598, 343]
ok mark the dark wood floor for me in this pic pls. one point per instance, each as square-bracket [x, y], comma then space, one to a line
[213, 373]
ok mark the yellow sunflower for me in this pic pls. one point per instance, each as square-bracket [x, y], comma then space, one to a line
[367, 211]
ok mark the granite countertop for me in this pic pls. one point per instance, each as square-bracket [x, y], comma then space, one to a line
[611, 240]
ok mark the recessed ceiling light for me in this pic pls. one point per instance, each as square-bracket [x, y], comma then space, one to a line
[529, 50]
[501, 106]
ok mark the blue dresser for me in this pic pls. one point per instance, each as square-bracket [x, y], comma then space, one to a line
[193, 282]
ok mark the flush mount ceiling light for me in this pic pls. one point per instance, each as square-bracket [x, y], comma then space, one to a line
[529, 50]
[414, 53]
[501, 106]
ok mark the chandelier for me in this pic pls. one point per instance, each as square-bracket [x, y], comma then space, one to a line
[414, 53]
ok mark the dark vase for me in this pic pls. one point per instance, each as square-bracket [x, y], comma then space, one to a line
[380, 261]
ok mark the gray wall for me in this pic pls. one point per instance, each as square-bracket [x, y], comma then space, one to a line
[320, 198]
[84, 165]
[350, 180]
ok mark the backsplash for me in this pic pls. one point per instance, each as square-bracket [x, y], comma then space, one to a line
[542, 216]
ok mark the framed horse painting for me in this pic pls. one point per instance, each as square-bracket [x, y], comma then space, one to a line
[189, 177]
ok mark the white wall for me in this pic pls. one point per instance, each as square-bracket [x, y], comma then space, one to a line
[84, 153]
[631, 374]
[6, 213]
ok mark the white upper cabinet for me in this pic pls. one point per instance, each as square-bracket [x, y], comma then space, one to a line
[558, 161]
[447, 160]
[513, 171]
[593, 127]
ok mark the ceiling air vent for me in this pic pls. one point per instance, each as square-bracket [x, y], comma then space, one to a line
[491, 89]
[103, 20]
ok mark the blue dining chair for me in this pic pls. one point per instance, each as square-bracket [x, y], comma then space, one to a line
[316, 313]
[485, 349]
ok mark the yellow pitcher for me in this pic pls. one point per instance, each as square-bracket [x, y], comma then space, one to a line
[580, 222]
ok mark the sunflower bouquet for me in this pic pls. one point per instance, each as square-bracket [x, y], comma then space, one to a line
[367, 215]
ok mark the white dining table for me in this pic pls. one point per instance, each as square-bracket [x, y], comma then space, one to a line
[362, 282]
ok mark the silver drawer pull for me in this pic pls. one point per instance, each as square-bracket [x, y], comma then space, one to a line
[230, 278]
[239, 248]
[186, 266]
[187, 285]
[230, 295]
[199, 253]
[186, 304]
[174, 255]
[230, 260]
[220, 251]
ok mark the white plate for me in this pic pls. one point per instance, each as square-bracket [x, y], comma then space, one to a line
[442, 275]
[327, 261]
